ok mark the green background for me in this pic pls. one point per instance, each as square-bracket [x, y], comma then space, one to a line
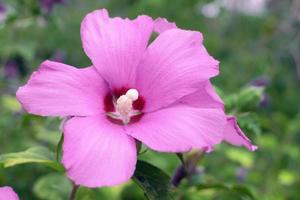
[251, 47]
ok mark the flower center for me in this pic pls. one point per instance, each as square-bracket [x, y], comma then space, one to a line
[124, 106]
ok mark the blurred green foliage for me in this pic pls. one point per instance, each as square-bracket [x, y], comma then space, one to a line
[250, 47]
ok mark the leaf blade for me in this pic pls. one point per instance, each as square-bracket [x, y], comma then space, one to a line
[153, 181]
[38, 154]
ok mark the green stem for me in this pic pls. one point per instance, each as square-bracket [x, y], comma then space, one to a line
[73, 192]
[187, 167]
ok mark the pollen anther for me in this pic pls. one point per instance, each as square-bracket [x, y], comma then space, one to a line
[132, 94]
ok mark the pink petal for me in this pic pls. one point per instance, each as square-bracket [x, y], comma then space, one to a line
[115, 45]
[7, 193]
[57, 89]
[162, 24]
[97, 152]
[204, 97]
[179, 128]
[173, 66]
[235, 136]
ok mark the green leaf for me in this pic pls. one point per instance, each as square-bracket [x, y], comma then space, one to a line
[39, 155]
[10, 103]
[241, 190]
[286, 177]
[153, 181]
[249, 97]
[59, 147]
[246, 99]
[102, 193]
[52, 186]
[250, 123]
[244, 157]
[131, 192]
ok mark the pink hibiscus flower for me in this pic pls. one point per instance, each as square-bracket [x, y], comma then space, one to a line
[7, 193]
[156, 93]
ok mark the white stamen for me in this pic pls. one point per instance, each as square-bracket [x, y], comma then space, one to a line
[124, 105]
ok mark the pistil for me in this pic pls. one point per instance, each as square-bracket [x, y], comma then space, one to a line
[123, 105]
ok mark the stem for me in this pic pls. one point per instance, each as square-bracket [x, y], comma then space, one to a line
[192, 161]
[73, 192]
[187, 167]
[180, 156]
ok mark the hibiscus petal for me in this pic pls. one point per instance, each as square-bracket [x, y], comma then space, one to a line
[235, 136]
[204, 97]
[97, 152]
[7, 193]
[173, 66]
[57, 89]
[162, 24]
[115, 45]
[179, 128]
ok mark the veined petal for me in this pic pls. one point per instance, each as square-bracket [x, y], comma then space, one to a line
[235, 136]
[162, 24]
[97, 152]
[57, 89]
[173, 66]
[179, 128]
[204, 97]
[115, 45]
[7, 193]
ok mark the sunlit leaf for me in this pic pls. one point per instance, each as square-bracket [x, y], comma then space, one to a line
[39, 155]
[10, 103]
[286, 177]
[245, 158]
[241, 190]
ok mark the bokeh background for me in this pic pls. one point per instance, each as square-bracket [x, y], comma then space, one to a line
[258, 45]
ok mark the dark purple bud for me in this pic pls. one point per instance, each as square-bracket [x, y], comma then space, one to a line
[179, 174]
[3, 12]
[2, 8]
[47, 5]
[241, 174]
[265, 100]
[11, 69]
[14, 68]
[262, 81]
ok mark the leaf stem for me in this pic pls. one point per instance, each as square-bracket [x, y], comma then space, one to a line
[73, 192]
